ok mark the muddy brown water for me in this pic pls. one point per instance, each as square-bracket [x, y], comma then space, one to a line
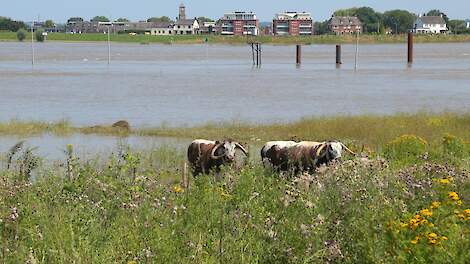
[179, 85]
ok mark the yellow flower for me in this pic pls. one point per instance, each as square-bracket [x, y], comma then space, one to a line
[444, 238]
[403, 225]
[431, 224]
[454, 196]
[435, 205]
[426, 212]
[444, 181]
[467, 212]
[178, 189]
[432, 235]
[415, 241]
[459, 202]
[432, 241]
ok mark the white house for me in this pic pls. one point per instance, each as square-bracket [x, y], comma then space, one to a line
[430, 25]
[467, 22]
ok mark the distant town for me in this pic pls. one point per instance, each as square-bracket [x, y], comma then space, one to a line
[244, 23]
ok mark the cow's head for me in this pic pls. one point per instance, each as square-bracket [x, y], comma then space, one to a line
[332, 150]
[226, 150]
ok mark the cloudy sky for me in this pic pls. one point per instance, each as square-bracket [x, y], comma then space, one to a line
[61, 10]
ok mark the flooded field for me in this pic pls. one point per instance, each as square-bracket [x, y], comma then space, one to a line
[151, 85]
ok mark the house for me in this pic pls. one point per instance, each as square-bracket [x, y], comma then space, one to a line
[161, 29]
[467, 22]
[292, 24]
[430, 25]
[186, 27]
[238, 24]
[345, 25]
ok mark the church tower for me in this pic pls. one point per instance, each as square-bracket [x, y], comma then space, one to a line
[182, 13]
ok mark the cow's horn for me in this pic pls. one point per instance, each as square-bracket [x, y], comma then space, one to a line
[242, 148]
[213, 156]
[348, 150]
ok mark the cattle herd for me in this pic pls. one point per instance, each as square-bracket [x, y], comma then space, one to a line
[205, 155]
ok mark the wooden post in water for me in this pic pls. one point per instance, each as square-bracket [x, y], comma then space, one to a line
[298, 55]
[410, 47]
[256, 47]
[253, 52]
[338, 55]
[185, 180]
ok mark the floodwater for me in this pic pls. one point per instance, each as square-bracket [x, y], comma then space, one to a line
[176, 85]
[52, 147]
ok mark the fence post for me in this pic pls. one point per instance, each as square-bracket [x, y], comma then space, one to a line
[410, 47]
[338, 55]
[298, 55]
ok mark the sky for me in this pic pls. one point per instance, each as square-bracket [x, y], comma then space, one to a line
[61, 10]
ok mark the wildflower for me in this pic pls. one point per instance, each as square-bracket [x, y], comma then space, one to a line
[454, 196]
[444, 181]
[178, 189]
[223, 194]
[444, 238]
[426, 212]
[432, 238]
[416, 240]
[467, 212]
[435, 205]
[403, 225]
[431, 224]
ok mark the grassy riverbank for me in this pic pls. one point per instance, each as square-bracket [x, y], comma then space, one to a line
[411, 207]
[198, 39]
[368, 130]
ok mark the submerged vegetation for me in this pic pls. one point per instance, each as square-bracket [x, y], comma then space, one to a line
[217, 39]
[133, 208]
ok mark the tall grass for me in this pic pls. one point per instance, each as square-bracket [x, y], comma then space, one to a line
[130, 208]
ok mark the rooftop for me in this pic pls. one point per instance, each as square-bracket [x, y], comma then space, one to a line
[432, 20]
[337, 21]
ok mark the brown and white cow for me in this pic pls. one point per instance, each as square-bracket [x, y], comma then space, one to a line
[206, 155]
[275, 154]
[308, 155]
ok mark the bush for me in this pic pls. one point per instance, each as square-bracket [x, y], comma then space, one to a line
[405, 147]
[453, 146]
[39, 35]
[21, 34]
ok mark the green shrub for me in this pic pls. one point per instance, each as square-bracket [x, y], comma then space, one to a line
[21, 34]
[39, 35]
[405, 147]
[453, 146]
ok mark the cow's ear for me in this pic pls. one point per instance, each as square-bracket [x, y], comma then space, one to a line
[217, 142]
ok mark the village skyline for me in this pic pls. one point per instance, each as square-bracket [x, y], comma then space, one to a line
[60, 12]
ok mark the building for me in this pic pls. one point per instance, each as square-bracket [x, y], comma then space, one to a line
[207, 28]
[345, 25]
[430, 25]
[162, 29]
[238, 24]
[467, 22]
[292, 24]
[185, 26]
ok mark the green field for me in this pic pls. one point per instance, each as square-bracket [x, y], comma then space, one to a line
[198, 39]
[406, 203]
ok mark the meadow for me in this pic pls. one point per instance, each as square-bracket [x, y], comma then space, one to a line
[403, 199]
[217, 39]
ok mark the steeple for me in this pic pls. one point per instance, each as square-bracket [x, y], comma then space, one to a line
[182, 13]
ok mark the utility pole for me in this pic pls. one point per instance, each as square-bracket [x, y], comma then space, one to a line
[109, 46]
[32, 43]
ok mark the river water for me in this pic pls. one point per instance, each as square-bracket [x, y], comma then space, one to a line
[175, 85]
[185, 85]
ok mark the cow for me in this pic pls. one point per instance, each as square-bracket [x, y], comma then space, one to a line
[308, 155]
[206, 155]
[275, 153]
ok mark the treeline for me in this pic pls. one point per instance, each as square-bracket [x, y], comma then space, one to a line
[394, 21]
[11, 25]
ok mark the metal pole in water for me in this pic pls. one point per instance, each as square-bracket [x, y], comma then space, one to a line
[109, 47]
[410, 47]
[299, 55]
[357, 51]
[253, 52]
[32, 43]
[338, 55]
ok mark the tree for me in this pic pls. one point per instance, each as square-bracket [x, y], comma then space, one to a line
[49, 24]
[39, 35]
[99, 19]
[21, 34]
[204, 19]
[122, 19]
[400, 21]
[437, 12]
[457, 26]
[11, 25]
[160, 19]
[346, 12]
[321, 27]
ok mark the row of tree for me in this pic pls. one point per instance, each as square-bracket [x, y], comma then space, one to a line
[397, 21]
[122, 19]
